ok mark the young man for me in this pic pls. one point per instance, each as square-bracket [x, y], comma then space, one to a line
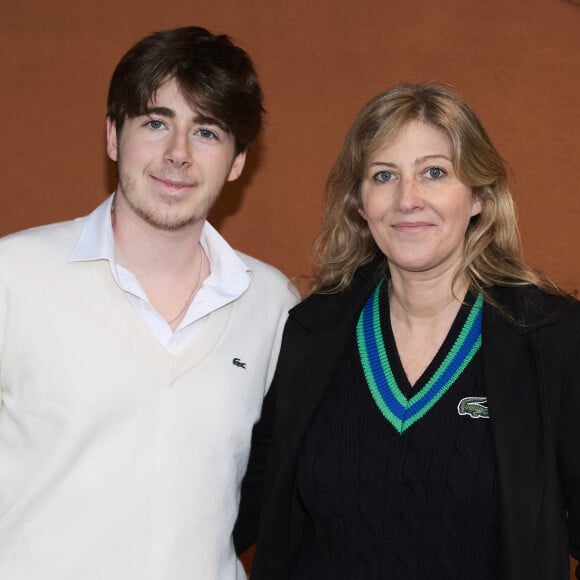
[136, 344]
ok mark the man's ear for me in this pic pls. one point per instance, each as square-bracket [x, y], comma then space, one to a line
[112, 144]
[237, 166]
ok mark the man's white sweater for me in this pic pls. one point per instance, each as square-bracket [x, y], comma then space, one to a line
[118, 460]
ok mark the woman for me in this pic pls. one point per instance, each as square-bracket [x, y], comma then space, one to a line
[427, 392]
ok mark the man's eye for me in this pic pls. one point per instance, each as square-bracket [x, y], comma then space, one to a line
[206, 134]
[155, 124]
[383, 176]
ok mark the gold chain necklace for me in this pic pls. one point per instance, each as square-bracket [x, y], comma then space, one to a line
[190, 297]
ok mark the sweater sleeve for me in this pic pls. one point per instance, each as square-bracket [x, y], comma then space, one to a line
[3, 315]
[569, 440]
[246, 527]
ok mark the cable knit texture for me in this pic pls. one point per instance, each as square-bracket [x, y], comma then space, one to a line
[120, 461]
[423, 504]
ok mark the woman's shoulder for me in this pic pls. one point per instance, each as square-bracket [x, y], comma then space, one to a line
[325, 309]
[531, 307]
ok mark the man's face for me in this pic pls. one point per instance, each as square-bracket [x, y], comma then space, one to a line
[172, 162]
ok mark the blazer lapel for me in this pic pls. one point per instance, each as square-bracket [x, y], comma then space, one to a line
[323, 325]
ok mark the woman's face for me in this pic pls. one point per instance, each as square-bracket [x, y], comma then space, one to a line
[416, 208]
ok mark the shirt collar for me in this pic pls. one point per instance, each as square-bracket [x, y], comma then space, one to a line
[96, 241]
[230, 275]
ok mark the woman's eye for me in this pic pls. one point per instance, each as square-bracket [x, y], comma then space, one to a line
[155, 124]
[435, 173]
[383, 176]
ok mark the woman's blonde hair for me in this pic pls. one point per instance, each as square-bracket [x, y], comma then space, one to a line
[492, 252]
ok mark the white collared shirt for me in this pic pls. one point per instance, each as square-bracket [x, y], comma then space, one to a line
[228, 280]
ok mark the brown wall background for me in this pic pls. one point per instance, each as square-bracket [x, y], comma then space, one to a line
[517, 62]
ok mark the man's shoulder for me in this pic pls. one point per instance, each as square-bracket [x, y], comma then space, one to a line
[45, 238]
[260, 268]
[268, 279]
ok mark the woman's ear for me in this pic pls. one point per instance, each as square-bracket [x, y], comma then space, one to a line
[476, 202]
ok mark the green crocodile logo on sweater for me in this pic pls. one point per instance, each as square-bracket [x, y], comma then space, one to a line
[475, 407]
[237, 362]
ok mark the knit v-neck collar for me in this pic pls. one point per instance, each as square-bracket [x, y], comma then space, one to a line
[383, 369]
